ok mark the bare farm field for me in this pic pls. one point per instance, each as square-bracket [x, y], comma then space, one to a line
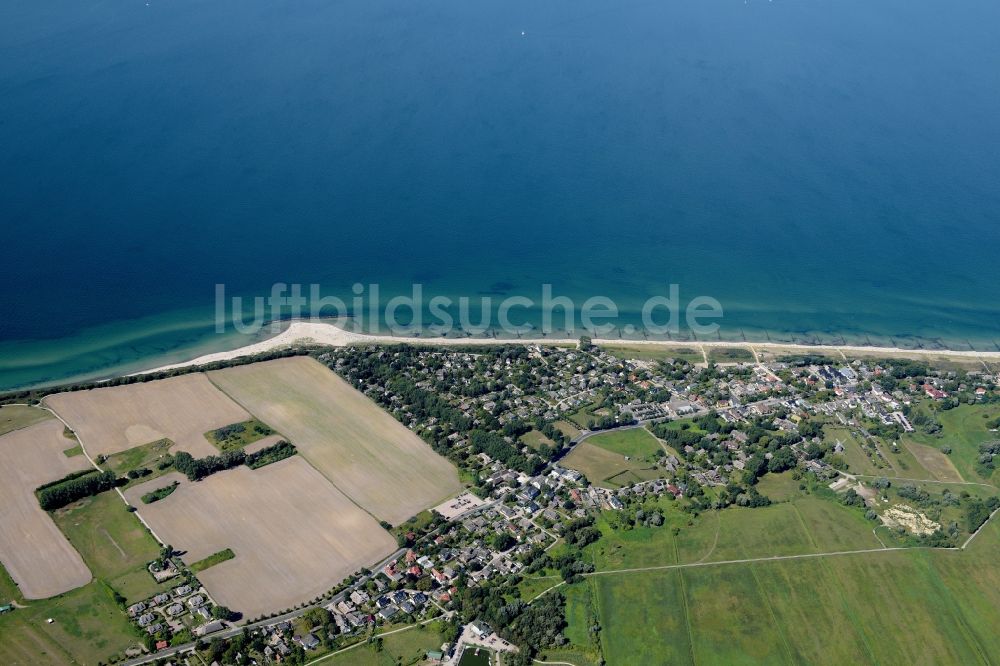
[293, 534]
[361, 449]
[115, 419]
[35, 553]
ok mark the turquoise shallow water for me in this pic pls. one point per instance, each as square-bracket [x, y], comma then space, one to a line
[826, 170]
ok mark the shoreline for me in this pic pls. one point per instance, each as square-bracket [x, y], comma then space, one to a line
[330, 335]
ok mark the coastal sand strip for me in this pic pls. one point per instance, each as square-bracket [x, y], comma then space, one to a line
[326, 334]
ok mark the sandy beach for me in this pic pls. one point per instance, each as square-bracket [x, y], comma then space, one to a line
[327, 334]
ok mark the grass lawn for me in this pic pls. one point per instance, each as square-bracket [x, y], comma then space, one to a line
[406, 647]
[531, 586]
[581, 614]
[684, 424]
[113, 543]
[602, 458]
[607, 469]
[643, 619]
[212, 560]
[15, 417]
[904, 463]
[581, 416]
[634, 442]
[73, 451]
[575, 657]
[779, 487]
[535, 439]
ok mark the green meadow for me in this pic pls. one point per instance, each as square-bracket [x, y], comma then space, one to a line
[963, 429]
[934, 607]
[634, 442]
[804, 525]
[87, 627]
[113, 542]
[690, 598]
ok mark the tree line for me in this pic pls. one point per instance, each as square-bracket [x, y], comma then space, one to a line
[74, 487]
[271, 454]
[198, 468]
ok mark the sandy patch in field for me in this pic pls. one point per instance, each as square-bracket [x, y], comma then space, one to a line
[365, 452]
[36, 554]
[910, 519]
[294, 535]
[115, 419]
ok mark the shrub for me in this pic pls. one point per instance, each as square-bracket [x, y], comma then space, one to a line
[159, 493]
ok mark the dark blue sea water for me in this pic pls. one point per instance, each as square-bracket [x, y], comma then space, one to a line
[828, 170]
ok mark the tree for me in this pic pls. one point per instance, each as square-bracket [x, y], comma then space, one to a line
[810, 429]
[318, 617]
[503, 541]
[852, 498]
[780, 461]
[78, 485]
[224, 613]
